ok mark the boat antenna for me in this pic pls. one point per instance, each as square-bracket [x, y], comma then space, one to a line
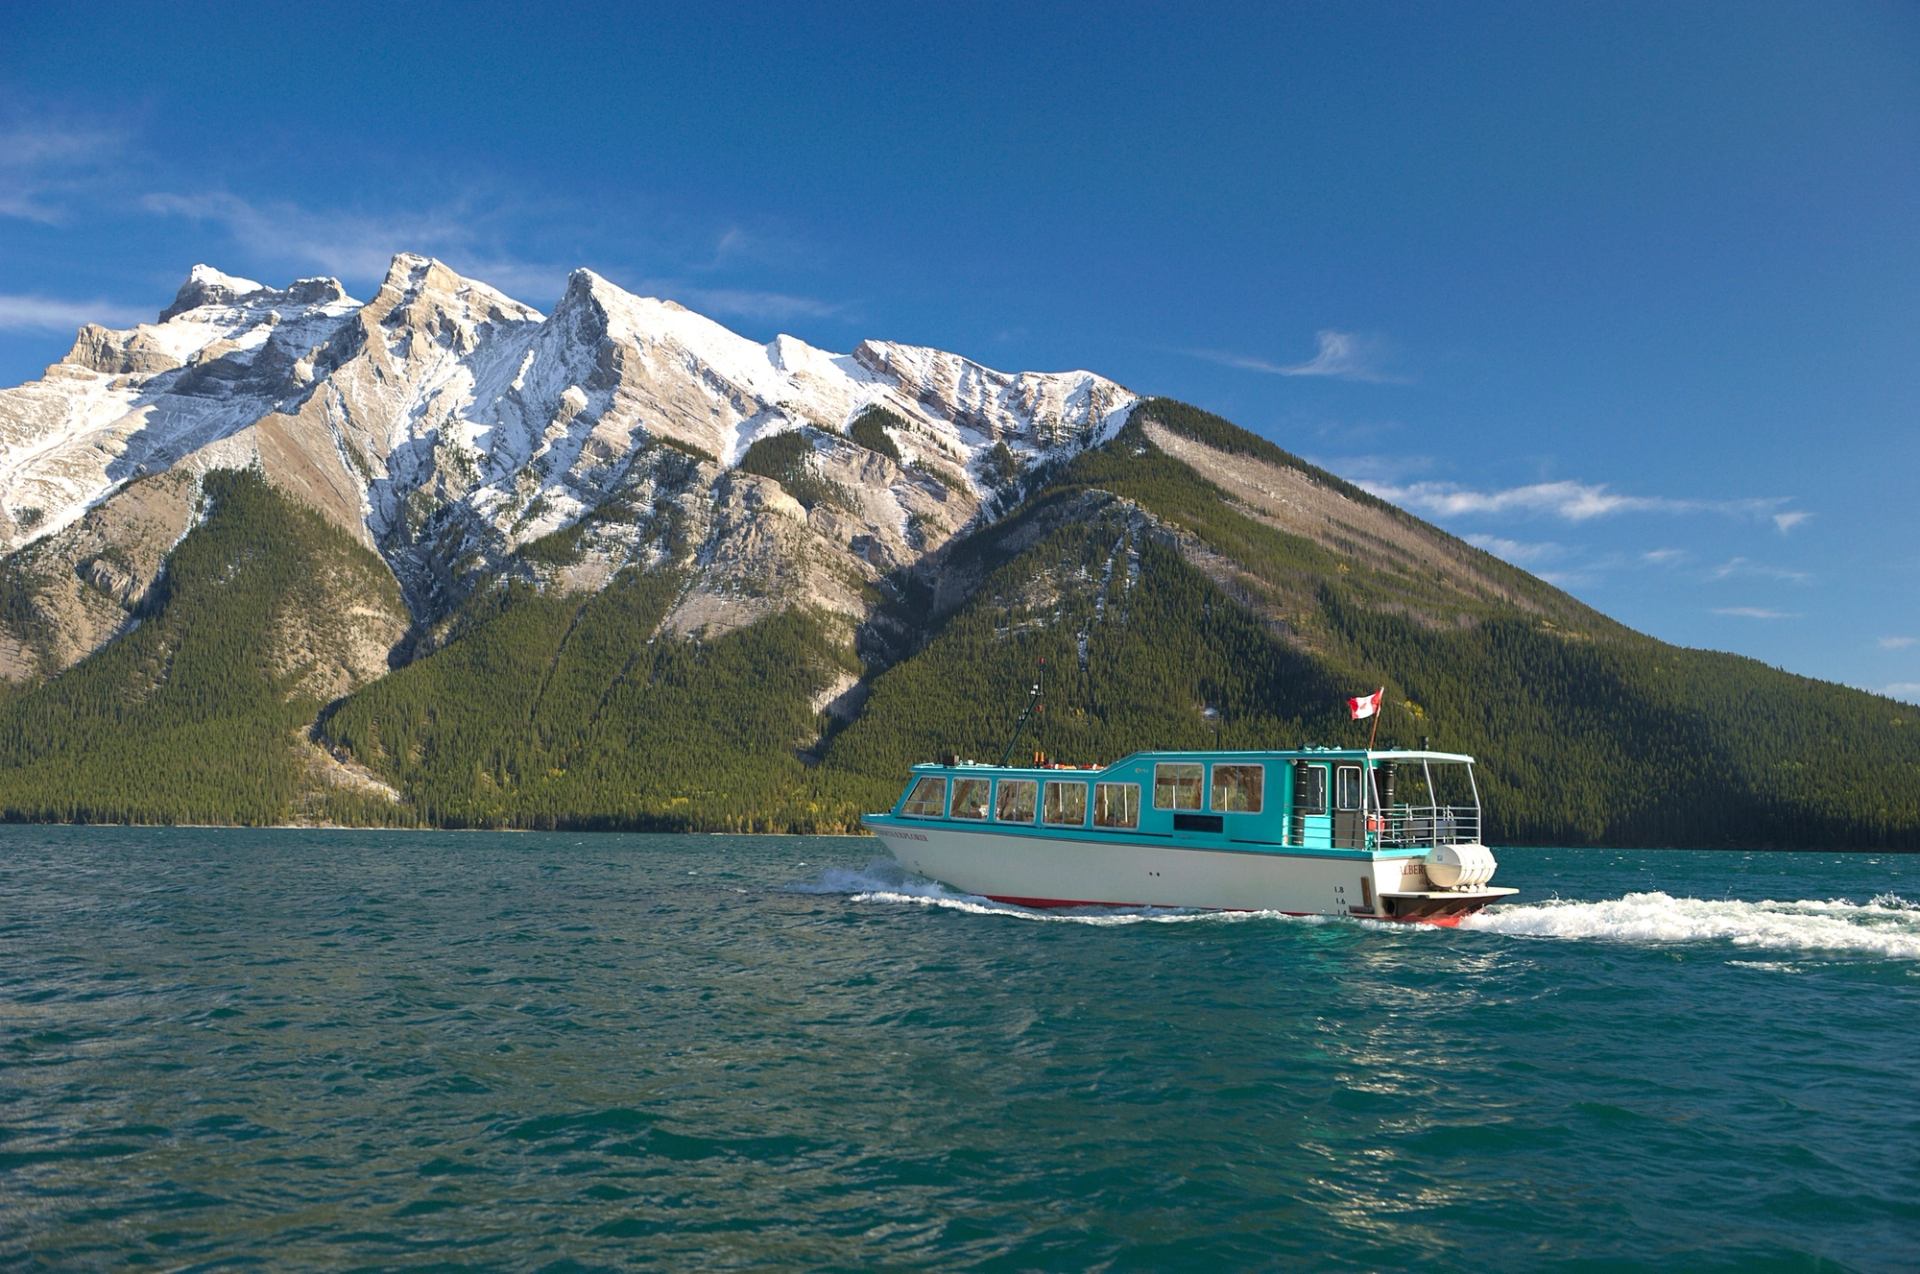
[1033, 702]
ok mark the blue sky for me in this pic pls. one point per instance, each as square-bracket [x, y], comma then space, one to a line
[1624, 293]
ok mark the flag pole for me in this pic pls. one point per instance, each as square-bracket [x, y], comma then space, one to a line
[1375, 732]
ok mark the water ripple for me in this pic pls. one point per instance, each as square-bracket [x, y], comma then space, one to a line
[314, 1050]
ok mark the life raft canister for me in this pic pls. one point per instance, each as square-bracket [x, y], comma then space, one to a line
[1459, 866]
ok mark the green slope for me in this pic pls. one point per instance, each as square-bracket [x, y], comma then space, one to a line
[1589, 733]
[569, 711]
[1168, 614]
[196, 714]
[1161, 644]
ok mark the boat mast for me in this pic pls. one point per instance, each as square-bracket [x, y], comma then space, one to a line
[1033, 703]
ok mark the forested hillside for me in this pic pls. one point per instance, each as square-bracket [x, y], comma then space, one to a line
[569, 711]
[200, 712]
[1169, 601]
[1585, 738]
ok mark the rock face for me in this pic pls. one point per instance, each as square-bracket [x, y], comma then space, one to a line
[449, 426]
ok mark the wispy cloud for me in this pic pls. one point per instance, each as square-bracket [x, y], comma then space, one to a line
[347, 243]
[1357, 431]
[1754, 612]
[1571, 579]
[1569, 500]
[1901, 690]
[1242, 362]
[1742, 568]
[1342, 355]
[771, 307]
[1665, 556]
[1897, 643]
[52, 314]
[1790, 519]
[1518, 552]
[1389, 467]
[43, 162]
[358, 244]
[732, 243]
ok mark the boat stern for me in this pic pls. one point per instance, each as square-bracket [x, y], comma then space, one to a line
[1444, 907]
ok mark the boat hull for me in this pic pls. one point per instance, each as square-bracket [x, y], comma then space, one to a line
[1041, 871]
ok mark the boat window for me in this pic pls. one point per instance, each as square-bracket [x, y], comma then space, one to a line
[1238, 789]
[1017, 797]
[1346, 787]
[970, 798]
[1309, 788]
[1116, 805]
[928, 799]
[1177, 785]
[1066, 803]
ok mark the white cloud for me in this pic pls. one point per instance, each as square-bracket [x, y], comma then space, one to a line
[1754, 612]
[1570, 579]
[1787, 521]
[359, 245]
[1353, 431]
[1665, 557]
[1389, 468]
[1342, 355]
[1742, 568]
[775, 307]
[1897, 643]
[732, 242]
[1567, 499]
[1339, 354]
[43, 162]
[1244, 362]
[51, 314]
[344, 243]
[1902, 690]
[1519, 552]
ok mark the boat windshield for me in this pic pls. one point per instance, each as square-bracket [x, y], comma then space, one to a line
[1426, 802]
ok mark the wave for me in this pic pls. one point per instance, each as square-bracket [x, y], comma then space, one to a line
[1889, 925]
[885, 881]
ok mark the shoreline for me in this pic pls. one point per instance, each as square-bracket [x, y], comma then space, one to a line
[860, 834]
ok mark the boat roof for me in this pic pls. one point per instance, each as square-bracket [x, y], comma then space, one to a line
[1264, 754]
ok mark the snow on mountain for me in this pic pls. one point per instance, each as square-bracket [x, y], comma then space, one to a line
[446, 423]
[123, 404]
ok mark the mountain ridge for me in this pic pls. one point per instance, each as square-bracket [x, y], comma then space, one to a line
[445, 424]
[641, 571]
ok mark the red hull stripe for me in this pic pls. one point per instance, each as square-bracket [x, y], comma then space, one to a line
[1041, 904]
[1044, 904]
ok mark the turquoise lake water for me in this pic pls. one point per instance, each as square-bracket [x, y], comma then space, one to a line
[303, 1049]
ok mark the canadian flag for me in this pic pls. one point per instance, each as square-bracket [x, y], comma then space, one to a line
[1366, 705]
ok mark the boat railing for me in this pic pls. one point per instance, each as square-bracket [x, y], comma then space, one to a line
[1415, 825]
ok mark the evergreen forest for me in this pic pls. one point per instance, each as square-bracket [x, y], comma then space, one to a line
[1156, 611]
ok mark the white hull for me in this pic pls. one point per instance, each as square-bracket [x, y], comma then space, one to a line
[1041, 871]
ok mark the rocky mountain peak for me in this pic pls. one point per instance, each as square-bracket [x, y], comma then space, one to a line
[208, 286]
[318, 291]
[447, 425]
[583, 306]
[416, 286]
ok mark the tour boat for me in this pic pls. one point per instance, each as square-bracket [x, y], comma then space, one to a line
[1389, 835]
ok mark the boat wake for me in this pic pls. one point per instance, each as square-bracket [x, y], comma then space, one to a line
[885, 881]
[1887, 926]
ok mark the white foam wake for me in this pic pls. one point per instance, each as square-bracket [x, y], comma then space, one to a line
[1887, 926]
[885, 881]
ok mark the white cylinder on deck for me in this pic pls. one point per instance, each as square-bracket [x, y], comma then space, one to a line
[1459, 866]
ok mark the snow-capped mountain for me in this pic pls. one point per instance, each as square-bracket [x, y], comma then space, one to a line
[447, 424]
